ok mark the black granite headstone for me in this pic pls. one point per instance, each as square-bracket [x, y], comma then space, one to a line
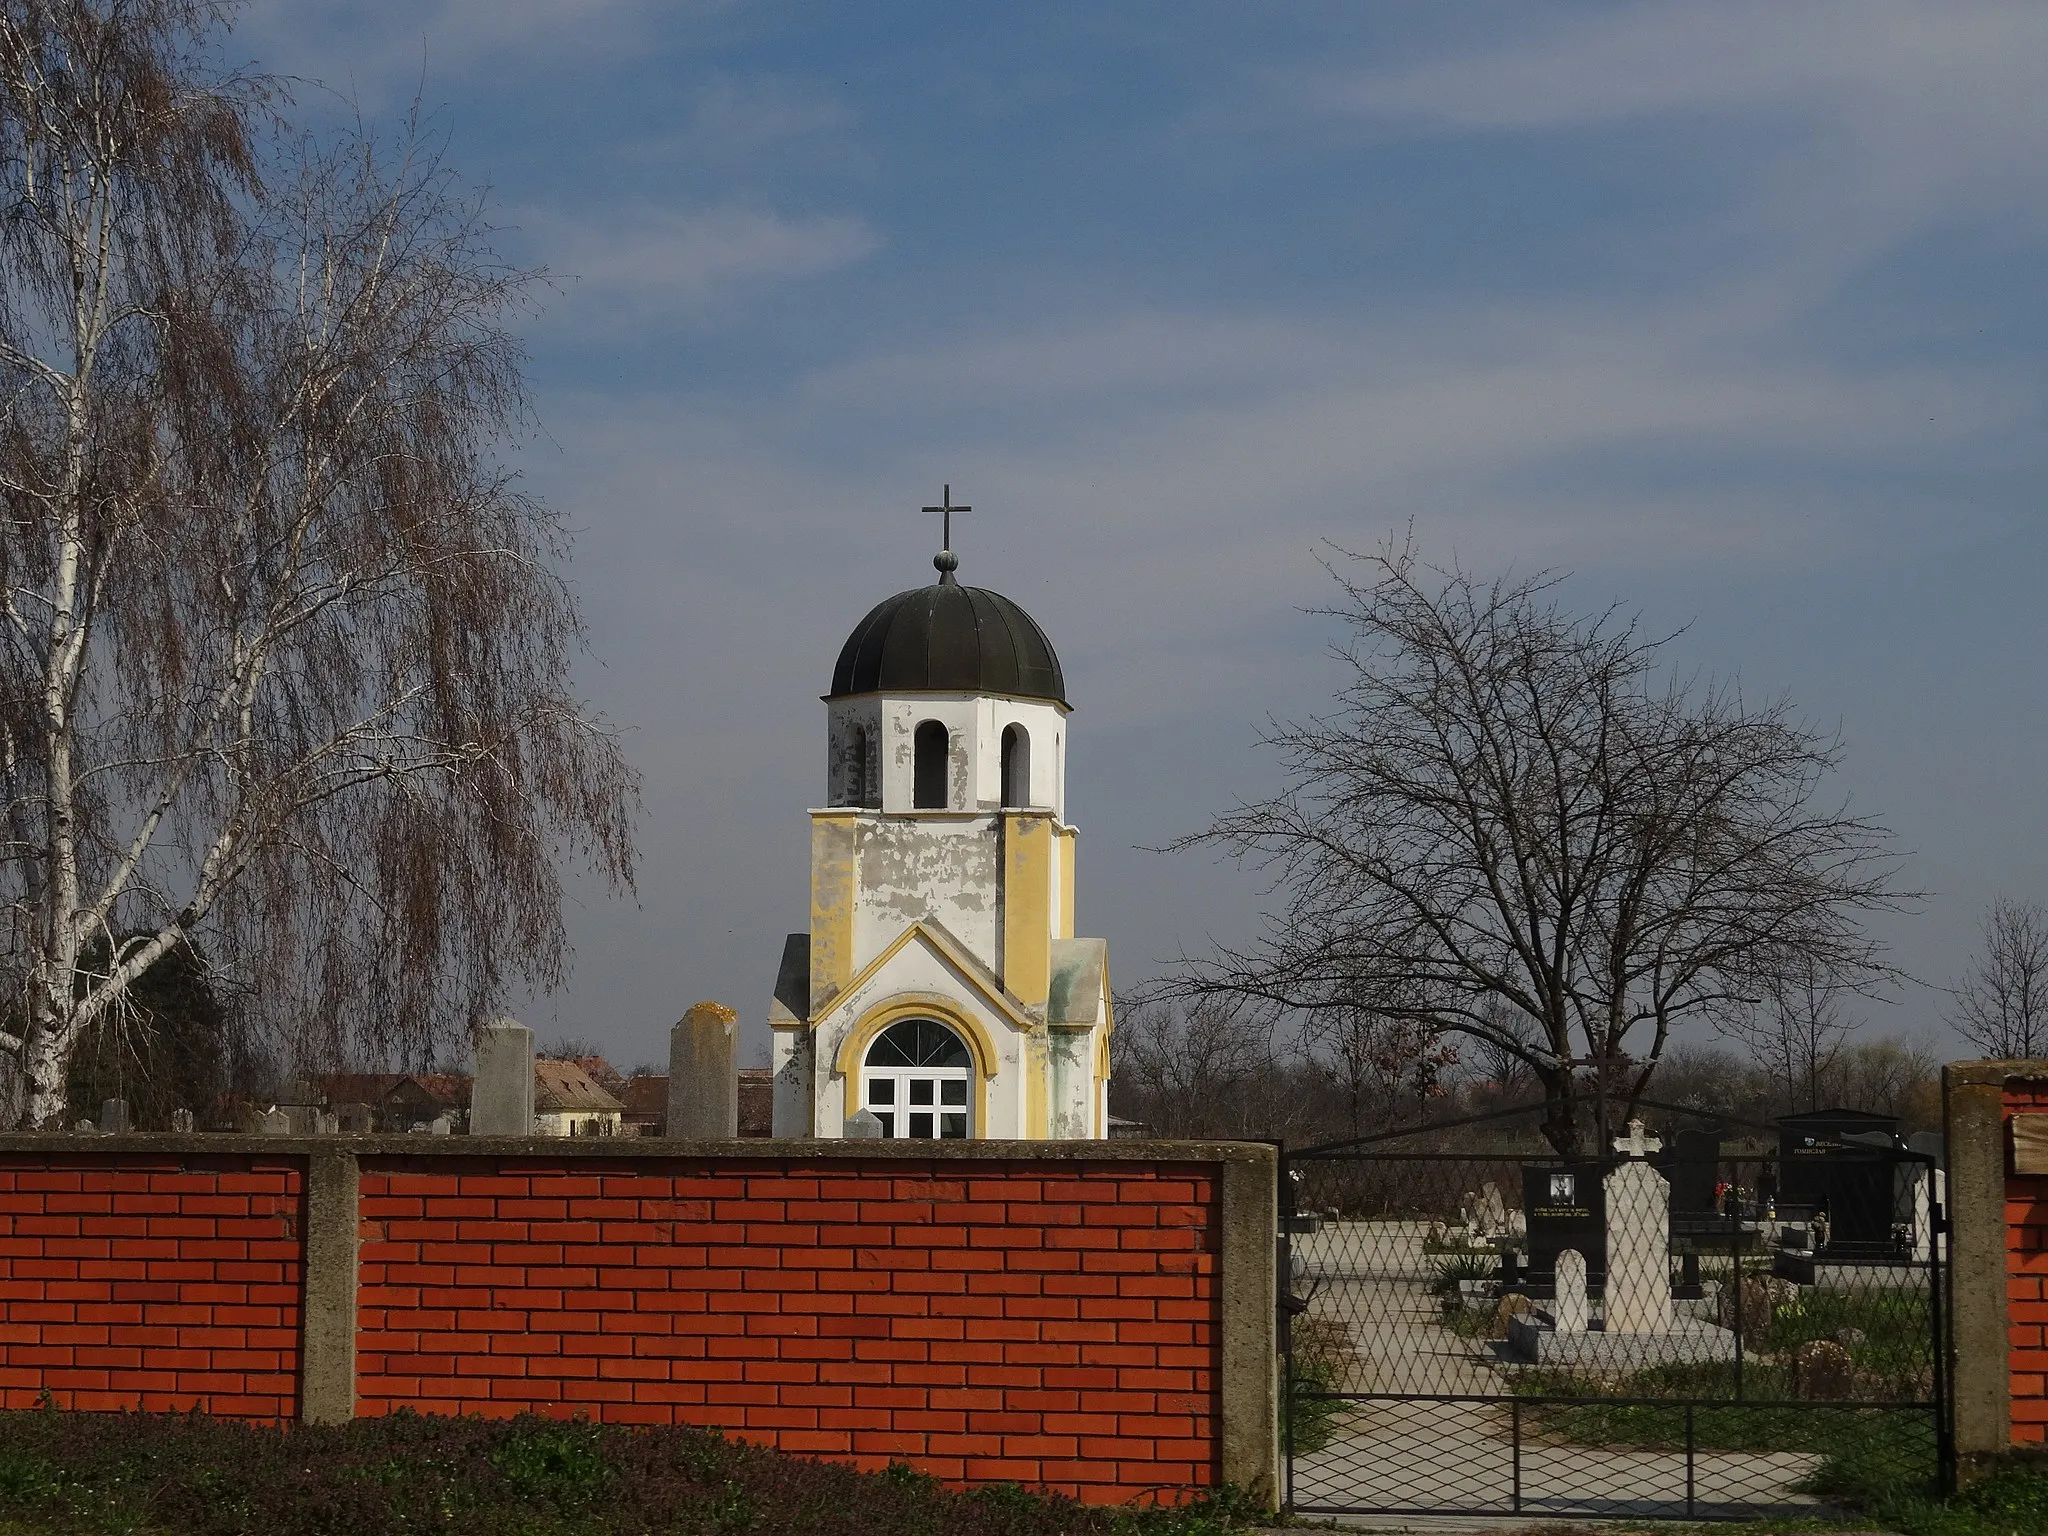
[1828, 1167]
[1694, 1169]
[1566, 1204]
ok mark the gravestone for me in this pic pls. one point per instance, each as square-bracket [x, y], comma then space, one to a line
[703, 1075]
[863, 1125]
[1695, 1171]
[1566, 1209]
[182, 1121]
[502, 1098]
[1568, 1309]
[440, 1125]
[114, 1117]
[354, 1119]
[1835, 1162]
[1492, 1211]
[1638, 1239]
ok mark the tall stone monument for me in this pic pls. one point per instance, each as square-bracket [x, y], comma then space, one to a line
[501, 1102]
[703, 1075]
[1638, 1239]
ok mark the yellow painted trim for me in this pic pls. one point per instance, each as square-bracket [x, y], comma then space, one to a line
[853, 1051]
[834, 856]
[1027, 906]
[978, 975]
[1071, 842]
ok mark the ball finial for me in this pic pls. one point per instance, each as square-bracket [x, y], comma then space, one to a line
[946, 563]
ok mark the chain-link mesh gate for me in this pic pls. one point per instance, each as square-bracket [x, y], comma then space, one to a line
[1697, 1331]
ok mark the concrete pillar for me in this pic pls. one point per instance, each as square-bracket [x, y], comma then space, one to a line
[327, 1316]
[703, 1075]
[1250, 1395]
[501, 1101]
[1980, 1379]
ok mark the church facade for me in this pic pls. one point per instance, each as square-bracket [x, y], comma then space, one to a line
[941, 986]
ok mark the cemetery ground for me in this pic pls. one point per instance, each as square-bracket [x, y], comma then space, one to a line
[90, 1474]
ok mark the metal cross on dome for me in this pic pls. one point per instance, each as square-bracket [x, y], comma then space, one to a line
[946, 561]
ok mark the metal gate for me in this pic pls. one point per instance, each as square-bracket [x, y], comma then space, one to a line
[1738, 1322]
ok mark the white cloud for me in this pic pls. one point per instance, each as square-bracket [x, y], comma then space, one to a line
[1856, 124]
[640, 266]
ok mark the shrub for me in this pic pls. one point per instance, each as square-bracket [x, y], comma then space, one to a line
[85, 1474]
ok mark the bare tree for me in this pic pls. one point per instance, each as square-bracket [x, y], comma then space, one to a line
[1378, 1062]
[1207, 1070]
[1795, 1031]
[2001, 1006]
[1508, 807]
[286, 650]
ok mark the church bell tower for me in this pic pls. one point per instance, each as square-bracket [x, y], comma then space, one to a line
[941, 987]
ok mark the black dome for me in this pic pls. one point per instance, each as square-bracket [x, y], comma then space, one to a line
[946, 638]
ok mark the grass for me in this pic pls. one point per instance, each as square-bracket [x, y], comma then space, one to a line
[149, 1475]
[1318, 1351]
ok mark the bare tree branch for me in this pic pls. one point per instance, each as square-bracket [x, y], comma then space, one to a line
[1506, 810]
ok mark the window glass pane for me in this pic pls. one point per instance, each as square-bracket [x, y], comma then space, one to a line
[953, 1127]
[881, 1090]
[888, 1122]
[920, 1090]
[921, 1127]
[918, 1043]
[953, 1091]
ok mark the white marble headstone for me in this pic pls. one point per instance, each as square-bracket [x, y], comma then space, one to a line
[1568, 1312]
[1638, 1250]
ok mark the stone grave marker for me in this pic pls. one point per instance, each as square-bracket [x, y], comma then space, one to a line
[353, 1119]
[1638, 1239]
[182, 1122]
[1566, 1209]
[1695, 1165]
[502, 1099]
[1568, 1310]
[863, 1125]
[114, 1117]
[703, 1075]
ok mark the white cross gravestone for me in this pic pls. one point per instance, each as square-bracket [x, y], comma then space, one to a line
[1638, 1239]
[1568, 1311]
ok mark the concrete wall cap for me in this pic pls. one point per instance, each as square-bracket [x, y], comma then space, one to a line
[601, 1148]
[1982, 1073]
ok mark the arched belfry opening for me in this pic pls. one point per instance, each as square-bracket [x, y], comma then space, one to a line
[928, 782]
[1016, 767]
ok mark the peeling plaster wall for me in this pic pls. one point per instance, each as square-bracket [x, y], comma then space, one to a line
[1072, 1090]
[947, 868]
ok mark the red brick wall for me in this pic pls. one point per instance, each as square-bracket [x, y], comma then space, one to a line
[2026, 1228]
[1054, 1325]
[168, 1284]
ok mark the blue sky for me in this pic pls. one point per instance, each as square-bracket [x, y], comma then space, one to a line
[1733, 310]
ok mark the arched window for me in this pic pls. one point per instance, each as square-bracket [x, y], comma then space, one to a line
[857, 767]
[915, 1081]
[1016, 766]
[929, 784]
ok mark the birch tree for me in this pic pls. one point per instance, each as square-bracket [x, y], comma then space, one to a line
[286, 648]
[1509, 829]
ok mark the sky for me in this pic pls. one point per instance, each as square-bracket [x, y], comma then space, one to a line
[1734, 312]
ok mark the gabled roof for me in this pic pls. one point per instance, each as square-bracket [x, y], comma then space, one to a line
[563, 1087]
[984, 981]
